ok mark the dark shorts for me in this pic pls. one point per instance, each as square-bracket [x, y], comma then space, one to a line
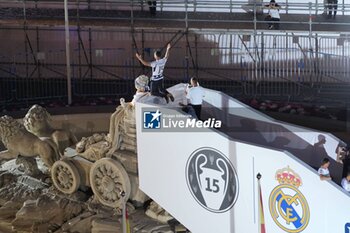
[157, 88]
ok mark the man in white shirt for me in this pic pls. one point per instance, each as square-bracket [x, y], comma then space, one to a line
[195, 95]
[345, 183]
[274, 15]
[157, 79]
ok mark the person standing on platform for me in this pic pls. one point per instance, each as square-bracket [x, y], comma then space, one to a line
[195, 94]
[152, 7]
[274, 15]
[332, 7]
[157, 79]
[343, 157]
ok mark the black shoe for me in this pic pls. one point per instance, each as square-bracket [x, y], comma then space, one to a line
[171, 97]
[166, 99]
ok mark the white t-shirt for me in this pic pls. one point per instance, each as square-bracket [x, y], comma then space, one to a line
[158, 68]
[323, 171]
[274, 13]
[195, 95]
[345, 184]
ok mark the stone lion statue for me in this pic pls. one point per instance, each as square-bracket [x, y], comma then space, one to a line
[38, 121]
[18, 141]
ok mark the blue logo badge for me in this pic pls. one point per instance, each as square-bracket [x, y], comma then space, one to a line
[152, 119]
[347, 227]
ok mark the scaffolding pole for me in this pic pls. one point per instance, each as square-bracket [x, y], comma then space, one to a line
[69, 83]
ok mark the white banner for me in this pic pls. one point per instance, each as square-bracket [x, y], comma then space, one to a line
[209, 183]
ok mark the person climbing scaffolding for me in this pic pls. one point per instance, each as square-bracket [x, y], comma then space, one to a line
[157, 79]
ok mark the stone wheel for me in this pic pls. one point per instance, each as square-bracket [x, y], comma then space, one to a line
[65, 176]
[108, 179]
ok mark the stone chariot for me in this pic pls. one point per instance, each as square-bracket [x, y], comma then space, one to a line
[106, 163]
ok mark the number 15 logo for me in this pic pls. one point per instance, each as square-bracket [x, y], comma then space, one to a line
[347, 228]
[214, 187]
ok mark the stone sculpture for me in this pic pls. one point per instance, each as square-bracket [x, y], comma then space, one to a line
[28, 166]
[15, 189]
[94, 147]
[122, 129]
[18, 141]
[38, 121]
[156, 212]
[46, 214]
[105, 162]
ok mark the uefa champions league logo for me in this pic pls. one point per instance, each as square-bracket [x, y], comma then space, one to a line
[212, 180]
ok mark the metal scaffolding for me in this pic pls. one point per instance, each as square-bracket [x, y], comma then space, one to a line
[250, 62]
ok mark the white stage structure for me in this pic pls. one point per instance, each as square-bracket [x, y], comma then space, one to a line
[208, 178]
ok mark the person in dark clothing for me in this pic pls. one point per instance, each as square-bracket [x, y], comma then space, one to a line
[343, 157]
[152, 7]
[332, 6]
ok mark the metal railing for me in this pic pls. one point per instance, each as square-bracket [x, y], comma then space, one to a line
[180, 5]
[188, 11]
[251, 63]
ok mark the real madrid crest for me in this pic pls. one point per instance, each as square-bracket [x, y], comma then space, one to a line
[288, 206]
[212, 179]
